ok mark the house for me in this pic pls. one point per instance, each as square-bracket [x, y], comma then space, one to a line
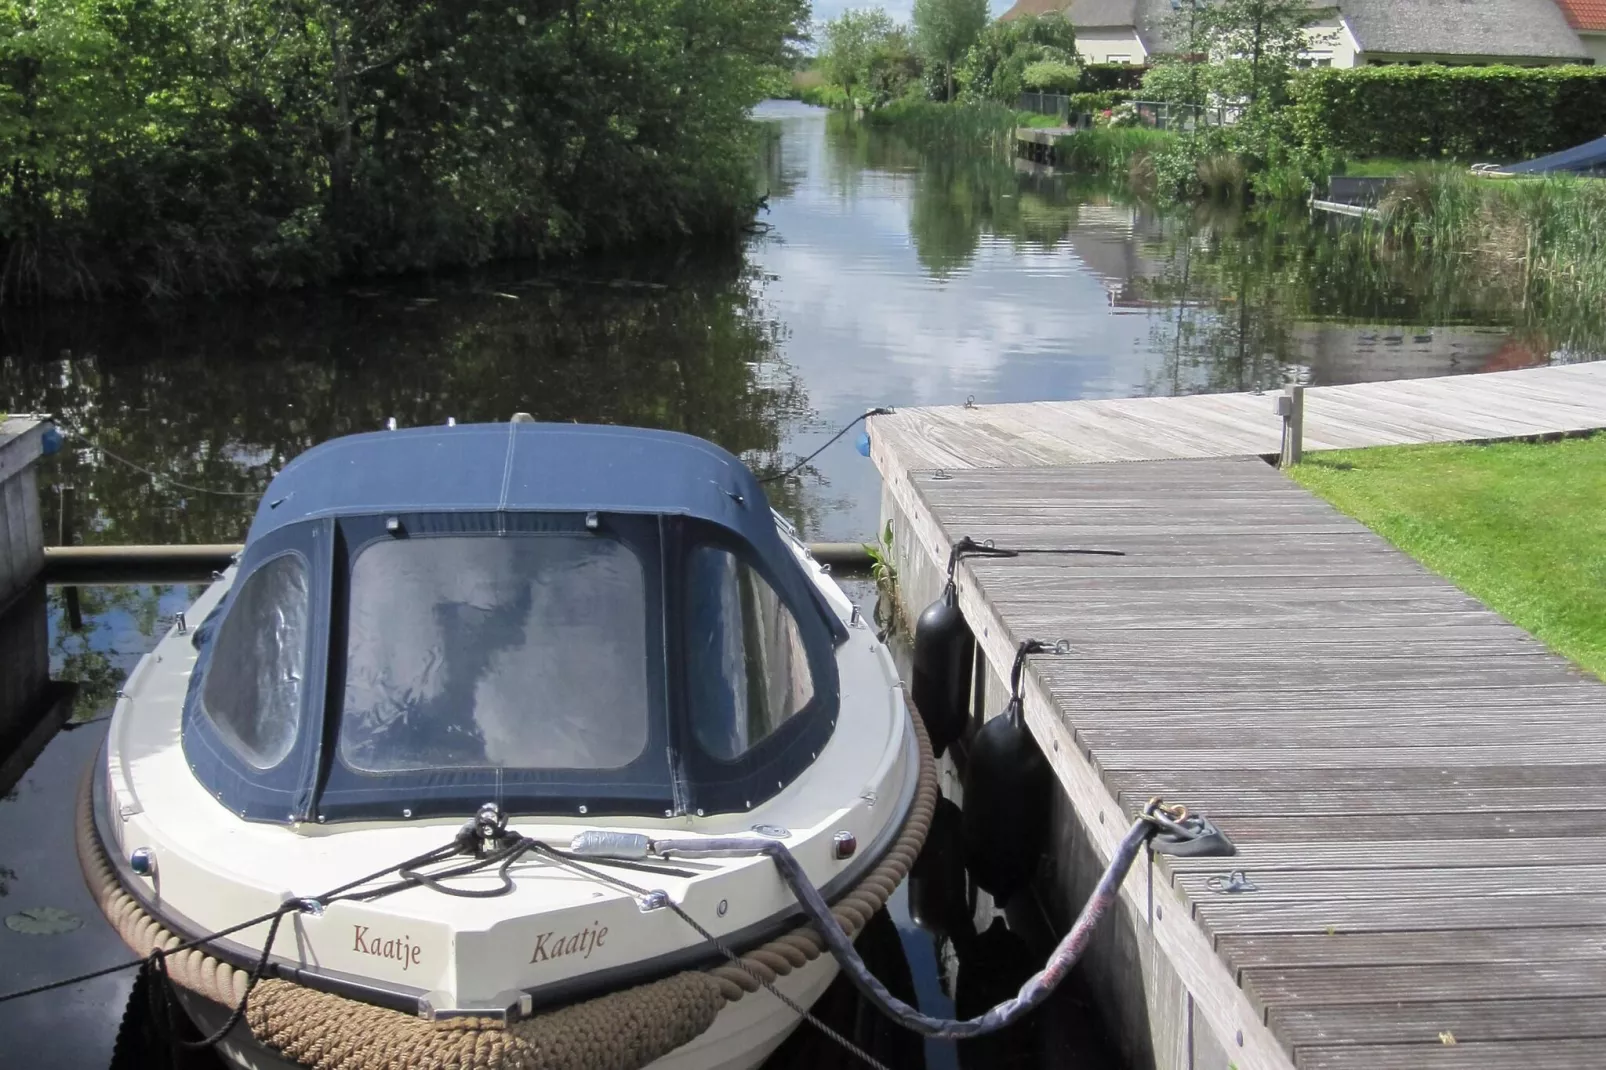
[1350, 33]
[1108, 31]
[1459, 32]
[1588, 20]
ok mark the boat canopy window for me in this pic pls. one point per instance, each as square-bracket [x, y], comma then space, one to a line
[748, 670]
[253, 689]
[525, 652]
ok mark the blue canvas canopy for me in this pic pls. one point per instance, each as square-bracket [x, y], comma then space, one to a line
[1588, 158]
[557, 618]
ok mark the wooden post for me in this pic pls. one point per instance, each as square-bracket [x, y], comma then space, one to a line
[1291, 406]
[64, 537]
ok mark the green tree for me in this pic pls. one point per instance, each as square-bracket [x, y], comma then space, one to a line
[1256, 44]
[995, 66]
[944, 32]
[894, 69]
[848, 43]
[180, 147]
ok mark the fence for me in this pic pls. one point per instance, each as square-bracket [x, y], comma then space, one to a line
[1156, 115]
[1159, 115]
[1055, 104]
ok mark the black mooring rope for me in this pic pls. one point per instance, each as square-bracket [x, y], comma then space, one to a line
[968, 547]
[849, 426]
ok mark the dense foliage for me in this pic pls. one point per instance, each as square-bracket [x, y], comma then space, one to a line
[867, 58]
[944, 32]
[995, 67]
[1098, 77]
[176, 146]
[1502, 113]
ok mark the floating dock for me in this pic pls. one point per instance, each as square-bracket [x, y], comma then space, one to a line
[1414, 784]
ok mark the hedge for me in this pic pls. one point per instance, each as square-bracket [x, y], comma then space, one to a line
[1468, 113]
[1097, 77]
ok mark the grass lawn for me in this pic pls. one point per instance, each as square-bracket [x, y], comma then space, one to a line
[1389, 167]
[1520, 525]
[1040, 122]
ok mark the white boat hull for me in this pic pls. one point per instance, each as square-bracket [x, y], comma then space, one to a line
[742, 1037]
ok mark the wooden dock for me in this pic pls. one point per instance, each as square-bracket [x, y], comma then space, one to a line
[1517, 404]
[1415, 784]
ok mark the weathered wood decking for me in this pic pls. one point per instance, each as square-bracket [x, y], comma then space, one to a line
[1534, 401]
[1417, 787]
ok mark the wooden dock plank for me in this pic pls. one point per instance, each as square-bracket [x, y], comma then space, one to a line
[1467, 947]
[1341, 828]
[1572, 1054]
[1325, 986]
[1514, 404]
[1468, 1021]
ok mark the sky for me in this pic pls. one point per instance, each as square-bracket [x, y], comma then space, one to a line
[898, 9]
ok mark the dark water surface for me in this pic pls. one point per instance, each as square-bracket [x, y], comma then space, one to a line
[884, 278]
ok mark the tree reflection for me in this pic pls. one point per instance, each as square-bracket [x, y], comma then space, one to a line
[221, 395]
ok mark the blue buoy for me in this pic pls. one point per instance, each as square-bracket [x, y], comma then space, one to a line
[864, 443]
[50, 441]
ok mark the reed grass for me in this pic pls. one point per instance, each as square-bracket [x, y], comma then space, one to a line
[1113, 150]
[978, 123]
[1539, 238]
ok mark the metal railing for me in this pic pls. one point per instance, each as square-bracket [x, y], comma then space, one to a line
[1055, 104]
[1159, 115]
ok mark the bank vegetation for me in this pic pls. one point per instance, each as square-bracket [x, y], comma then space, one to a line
[173, 148]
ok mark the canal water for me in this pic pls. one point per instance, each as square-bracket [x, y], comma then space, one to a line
[878, 275]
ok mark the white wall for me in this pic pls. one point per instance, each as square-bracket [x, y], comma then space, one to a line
[1109, 45]
[1330, 43]
[1596, 43]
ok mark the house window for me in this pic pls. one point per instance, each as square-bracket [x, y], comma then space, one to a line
[1123, 58]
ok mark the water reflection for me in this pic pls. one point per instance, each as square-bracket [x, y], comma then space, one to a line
[879, 275]
[217, 396]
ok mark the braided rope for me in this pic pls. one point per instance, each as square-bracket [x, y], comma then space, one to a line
[619, 1031]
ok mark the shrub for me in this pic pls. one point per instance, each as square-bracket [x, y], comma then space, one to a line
[1099, 102]
[1051, 76]
[1098, 77]
[1501, 113]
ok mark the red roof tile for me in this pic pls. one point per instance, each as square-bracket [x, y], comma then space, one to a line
[1584, 14]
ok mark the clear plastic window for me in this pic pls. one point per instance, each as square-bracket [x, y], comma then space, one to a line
[525, 652]
[748, 670]
[253, 685]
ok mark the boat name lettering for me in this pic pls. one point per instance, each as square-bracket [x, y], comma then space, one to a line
[551, 946]
[403, 950]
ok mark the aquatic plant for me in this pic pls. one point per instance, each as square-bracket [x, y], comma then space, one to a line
[1111, 150]
[883, 566]
[1538, 239]
[976, 125]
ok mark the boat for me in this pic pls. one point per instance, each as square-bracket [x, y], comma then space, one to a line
[447, 660]
[1586, 161]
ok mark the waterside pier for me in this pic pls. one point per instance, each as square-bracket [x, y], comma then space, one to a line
[1413, 783]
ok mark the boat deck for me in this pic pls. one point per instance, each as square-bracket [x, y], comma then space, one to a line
[1415, 784]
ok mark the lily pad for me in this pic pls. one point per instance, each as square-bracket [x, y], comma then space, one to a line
[43, 921]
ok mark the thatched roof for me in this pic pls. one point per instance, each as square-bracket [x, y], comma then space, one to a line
[1520, 29]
